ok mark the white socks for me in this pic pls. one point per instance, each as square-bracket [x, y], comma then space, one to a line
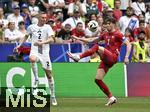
[35, 70]
[52, 86]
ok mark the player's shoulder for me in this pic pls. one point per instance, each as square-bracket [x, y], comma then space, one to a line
[32, 26]
[47, 26]
[118, 33]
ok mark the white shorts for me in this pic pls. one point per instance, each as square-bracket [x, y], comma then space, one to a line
[44, 60]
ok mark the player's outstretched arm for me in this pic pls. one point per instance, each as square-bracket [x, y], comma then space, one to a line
[87, 40]
[128, 51]
[20, 44]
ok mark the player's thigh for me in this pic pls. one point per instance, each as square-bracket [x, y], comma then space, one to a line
[101, 51]
[46, 63]
[109, 58]
[33, 58]
[100, 73]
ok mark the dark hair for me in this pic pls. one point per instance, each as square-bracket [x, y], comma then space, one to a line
[141, 21]
[110, 19]
[130, 31]
[142, 32]
[21, 22]
[79, 23]
[129, 8]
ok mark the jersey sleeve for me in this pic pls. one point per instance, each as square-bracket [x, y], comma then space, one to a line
[29, 30]
[50, 31]
[120, 36]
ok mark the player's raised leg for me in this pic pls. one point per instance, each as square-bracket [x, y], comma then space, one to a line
[85, 54]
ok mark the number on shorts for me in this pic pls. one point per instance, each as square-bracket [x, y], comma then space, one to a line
[47, 63]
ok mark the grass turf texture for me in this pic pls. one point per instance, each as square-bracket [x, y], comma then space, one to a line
[136, 104]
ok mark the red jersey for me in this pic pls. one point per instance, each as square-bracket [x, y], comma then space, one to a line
[117, 13]
[136, 31]
[75, 32]
[113, 41]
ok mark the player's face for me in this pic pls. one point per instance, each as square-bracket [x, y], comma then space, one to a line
[80, 27]
[43, 18]
[109, 26]
[142, 26]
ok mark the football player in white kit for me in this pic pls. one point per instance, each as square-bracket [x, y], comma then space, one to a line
[41, 35]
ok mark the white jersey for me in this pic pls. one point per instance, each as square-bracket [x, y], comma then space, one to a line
[40, 34]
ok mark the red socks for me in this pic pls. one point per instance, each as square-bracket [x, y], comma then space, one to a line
[90, 51]
[103, 87]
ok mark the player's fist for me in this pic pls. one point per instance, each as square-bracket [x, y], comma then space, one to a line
[16, 49]
[126, 60]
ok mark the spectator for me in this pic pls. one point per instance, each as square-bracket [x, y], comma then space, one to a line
[77, 5]
[78, 32]
[26, 15]
[141, 17]
[91, 8]
[3, 21]
[15, 16]
[58, 5]
[52, 23]
[147, 15]
[65, 33]
[148, 30]
[33, 8]
[22, 28]
[109, 13]
[50, 14]
[138, 7]
[129, 20]
[140, 49]
[11, 34]
[141, 27]
[6, 5]
[117, 13]
[74, 20]
[129, 35]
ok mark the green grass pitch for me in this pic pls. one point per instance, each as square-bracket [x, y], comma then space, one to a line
[135, 104]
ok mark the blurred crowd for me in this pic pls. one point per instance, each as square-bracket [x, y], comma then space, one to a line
[80, 18]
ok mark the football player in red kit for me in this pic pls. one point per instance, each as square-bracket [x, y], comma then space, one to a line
[113, 40]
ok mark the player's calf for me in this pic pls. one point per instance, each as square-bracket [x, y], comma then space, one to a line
[54, 101]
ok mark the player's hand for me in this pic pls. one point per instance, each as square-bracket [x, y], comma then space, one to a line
[38, 43]
[16, 49]
[126, 60]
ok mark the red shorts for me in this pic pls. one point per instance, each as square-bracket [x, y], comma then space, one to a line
[108, 60]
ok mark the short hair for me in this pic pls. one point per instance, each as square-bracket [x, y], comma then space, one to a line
[110, 19]
[141, 21]
[79, 23]
[39, 15]
[130, 8]
[21, 23]
[142, 32]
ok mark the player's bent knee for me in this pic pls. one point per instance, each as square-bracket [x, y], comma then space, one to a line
[32, 59]
[101, 49]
